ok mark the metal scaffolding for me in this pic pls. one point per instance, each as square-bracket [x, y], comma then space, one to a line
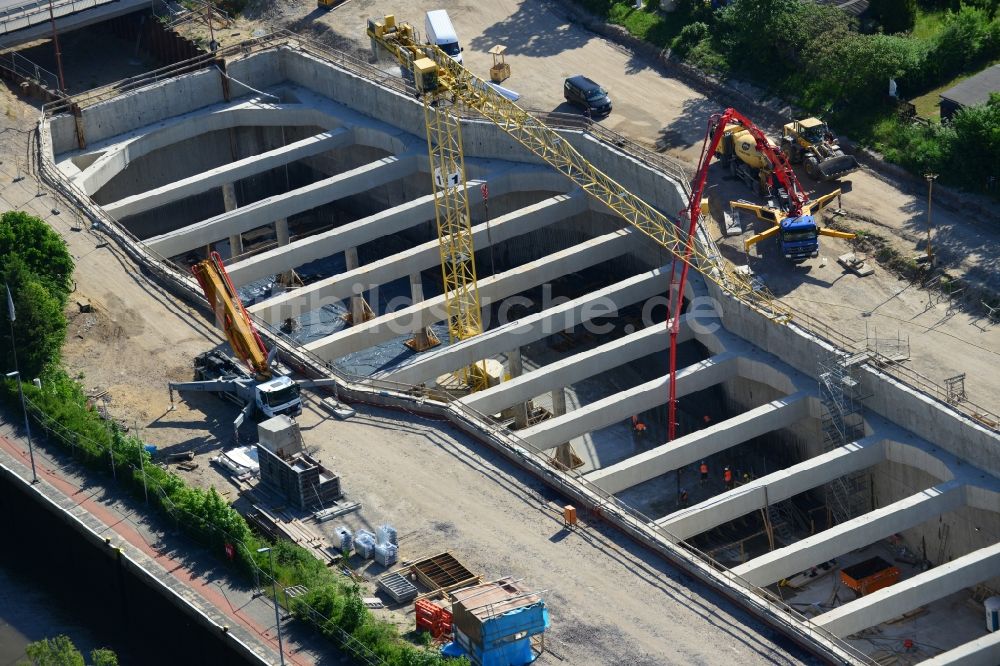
[843, 422]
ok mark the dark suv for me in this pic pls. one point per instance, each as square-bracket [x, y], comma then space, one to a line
[583, 92]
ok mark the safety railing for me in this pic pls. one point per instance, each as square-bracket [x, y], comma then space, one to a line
[23, 68]
[18, 17]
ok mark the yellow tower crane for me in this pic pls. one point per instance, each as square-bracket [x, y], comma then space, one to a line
[445, 85]
[451, 201]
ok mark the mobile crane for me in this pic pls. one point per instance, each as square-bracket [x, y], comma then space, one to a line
[742, 143]
[442, 83]
[259, 391]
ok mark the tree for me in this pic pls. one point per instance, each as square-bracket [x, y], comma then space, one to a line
[39, 324]
[864, 65]
[103, 657]
[895, 15]
[58, 651]
[757, 31]
[968, 38]
[41, 249]
[975, 149]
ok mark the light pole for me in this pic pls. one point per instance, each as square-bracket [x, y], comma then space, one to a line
[274, 592]
[930, 189]
[27, 424]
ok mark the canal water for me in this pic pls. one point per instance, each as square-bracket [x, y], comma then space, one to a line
[52, 581]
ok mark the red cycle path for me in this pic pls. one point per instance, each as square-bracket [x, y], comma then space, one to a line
[116, 524]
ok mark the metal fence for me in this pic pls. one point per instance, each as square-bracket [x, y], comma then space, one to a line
[22, 68]
[17, 17]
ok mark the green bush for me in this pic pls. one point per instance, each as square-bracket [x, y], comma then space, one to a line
[42, 251]
[37, 268]
[58, 651]
[103, 657]
[39, 324]
[690, 36]
[969, 39]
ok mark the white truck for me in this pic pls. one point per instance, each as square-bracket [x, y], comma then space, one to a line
[440, 31]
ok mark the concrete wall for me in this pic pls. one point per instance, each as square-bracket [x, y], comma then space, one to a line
[929, 418]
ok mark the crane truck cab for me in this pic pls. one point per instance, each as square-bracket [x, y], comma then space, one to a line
[218, 372]
[799, 238]
[440, 32]
[278, 396]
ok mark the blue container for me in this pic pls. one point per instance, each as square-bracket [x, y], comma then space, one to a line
[150, 449]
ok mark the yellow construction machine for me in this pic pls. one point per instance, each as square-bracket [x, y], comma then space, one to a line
[766, 170]
[811, 142]
[738, 148]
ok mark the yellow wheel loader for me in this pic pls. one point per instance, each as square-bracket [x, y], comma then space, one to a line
[811, 142]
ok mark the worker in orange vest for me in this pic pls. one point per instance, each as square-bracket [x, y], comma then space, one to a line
[638, 426]
[727, 476]
[704, 472]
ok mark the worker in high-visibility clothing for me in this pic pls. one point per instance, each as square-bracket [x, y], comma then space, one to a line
[727, 476]
[704, 472]
[638, 426]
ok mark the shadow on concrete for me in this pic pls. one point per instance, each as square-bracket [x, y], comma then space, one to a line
[688, 128]
[535, 30]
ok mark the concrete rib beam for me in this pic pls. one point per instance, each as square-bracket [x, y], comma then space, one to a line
[983, 651]
[576, 367]
[268, 210]
[491, 289]
[383, 223]
[904, 596]
[229, 173]
[855, 533]
[685, 450]
[620, 406]
[775, 487]
[414, 260]
[117, 153]
[536, 326]
[333, 241]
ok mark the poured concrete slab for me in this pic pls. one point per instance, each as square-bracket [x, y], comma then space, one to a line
[984, 651]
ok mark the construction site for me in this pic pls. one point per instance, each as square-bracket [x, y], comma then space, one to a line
[564, 398]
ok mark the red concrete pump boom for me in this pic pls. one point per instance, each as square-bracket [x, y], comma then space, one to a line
[797, 199]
